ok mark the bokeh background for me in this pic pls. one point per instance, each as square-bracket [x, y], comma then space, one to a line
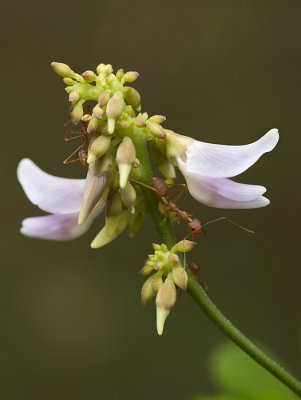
[72, 326]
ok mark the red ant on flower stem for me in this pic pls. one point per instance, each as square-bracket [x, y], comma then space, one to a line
[195, 225]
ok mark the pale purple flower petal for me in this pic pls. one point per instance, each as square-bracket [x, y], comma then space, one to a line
[220, 161]
[50, 193]
[224, 193]
[54, 227]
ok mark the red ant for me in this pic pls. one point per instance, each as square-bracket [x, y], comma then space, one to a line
[81, 153]
[195, 225]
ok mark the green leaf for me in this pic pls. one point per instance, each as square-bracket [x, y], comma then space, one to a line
[237, 374]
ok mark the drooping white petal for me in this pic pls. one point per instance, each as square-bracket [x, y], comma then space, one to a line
[50, 193]
[224, 193]
[59, 226]
[220, 161]
[54, 227]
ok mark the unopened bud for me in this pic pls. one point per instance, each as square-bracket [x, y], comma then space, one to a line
[158, 119]
[104, 69]
[86, 118]
[128, 196]
[157, 282]
[114, 208]
[114, 110]
[98, 111]
[173, 258]
[98, 148]
[136, 163]
[69, 81]
[139, 121]
[156, 130]
[167, 170]
[94, 125]
[103, 98]
[180, 277]
[130, 76]
[165, 300]
[183, 246]
[147, 292]
[95, 187]
[133, 98]
[125, 158]
[147, 269]
[89, 76]
[73, 96]
[77, 112]
[102, 238]
[62, 70]
[119, 74]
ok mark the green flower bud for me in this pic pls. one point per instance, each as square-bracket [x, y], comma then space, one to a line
[98, 111]
[98, 148]
[158, 119]
[167, 170]
[125, 158]
[103, 98]
[183, 246]
[165, 300]
[77, 112]
[147, 292]
[63, 70]
[94, 125]
[133, 98]
[119, 74]
[130, 76]
[69, 81]
[180, 277]
[114, 109]
[114, 208]
[139, 121]
[89, 76]
[128, 196]
[103, 238]
[156, 130]
[74, 96]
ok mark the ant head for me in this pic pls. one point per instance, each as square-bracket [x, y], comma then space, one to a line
[195, 226]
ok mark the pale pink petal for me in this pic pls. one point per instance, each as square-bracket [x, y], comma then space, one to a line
[54, 227]
[220, 161]
[60, 226]
[224, 193]
[50, 193]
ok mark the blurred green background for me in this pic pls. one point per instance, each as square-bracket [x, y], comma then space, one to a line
[72, 326]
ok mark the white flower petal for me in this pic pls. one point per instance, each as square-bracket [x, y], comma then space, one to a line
[220, 161]
[224, 193]
[54, 227]
[50, 193]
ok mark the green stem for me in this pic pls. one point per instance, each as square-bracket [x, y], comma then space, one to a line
[194, 289]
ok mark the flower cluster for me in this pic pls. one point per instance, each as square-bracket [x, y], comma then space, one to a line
[168, 274]
[108, 111]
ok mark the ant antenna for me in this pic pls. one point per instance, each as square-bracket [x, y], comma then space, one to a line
[229, 220]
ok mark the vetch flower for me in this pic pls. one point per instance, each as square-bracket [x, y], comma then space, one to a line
[61, 197]
[207, 167]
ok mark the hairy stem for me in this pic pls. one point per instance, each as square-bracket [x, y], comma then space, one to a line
[144, 174]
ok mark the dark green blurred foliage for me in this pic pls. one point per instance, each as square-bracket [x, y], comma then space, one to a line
[72, 326]
[238, 377]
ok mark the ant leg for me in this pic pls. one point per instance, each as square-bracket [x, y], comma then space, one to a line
[69, 159]
[231, 222]
[177, 195]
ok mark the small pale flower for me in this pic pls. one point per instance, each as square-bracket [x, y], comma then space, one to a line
[207, 167]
